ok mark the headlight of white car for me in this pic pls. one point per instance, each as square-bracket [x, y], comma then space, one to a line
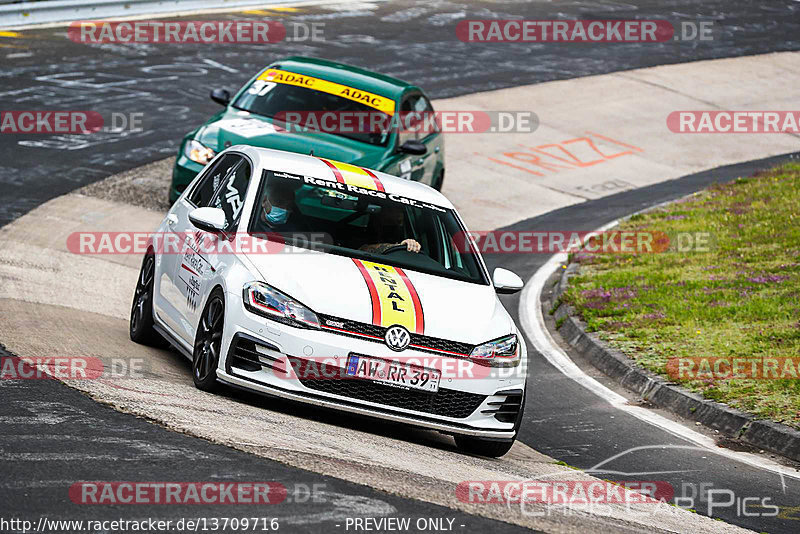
[502, 352]
[267, 301]
[198, 152]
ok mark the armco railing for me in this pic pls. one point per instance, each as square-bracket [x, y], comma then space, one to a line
[53, 11]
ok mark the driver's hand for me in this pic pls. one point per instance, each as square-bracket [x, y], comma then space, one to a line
[411, 244]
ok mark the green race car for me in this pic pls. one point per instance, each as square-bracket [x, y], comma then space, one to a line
[328, 109]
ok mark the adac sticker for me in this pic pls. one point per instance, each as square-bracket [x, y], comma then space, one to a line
[381, 103]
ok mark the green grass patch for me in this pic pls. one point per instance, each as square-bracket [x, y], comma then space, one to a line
[737, 296]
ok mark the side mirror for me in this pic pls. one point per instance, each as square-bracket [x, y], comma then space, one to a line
[505, 282]
[208, 219]
[415, 148]
[221, 96]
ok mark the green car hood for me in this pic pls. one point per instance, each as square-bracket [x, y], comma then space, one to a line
[235, 127]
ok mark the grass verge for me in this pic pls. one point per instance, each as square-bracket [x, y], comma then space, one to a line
[736, 299]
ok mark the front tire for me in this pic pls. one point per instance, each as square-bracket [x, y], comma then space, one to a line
[483, 447]
[141, 328]
[208, 343]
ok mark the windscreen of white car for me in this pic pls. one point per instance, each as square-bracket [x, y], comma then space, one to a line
[340, 219]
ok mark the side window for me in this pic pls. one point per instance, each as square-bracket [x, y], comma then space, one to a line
[427, 123]
[203, 192]
[419, 227]
[230, 197]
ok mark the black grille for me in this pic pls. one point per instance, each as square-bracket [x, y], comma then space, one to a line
[462, 349]
[371, 332]
[243, 354]
[445, 402]
[506, 410]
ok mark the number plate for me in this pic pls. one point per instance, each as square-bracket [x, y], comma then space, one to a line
[393, 373]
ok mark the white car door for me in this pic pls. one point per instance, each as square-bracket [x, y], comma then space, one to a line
[185, 266]
[205, 258]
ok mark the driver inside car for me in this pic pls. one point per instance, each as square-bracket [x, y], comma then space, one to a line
[387, 226]
[278, 210]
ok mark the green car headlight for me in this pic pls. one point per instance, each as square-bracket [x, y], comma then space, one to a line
[198, 152]
[268, 302]
[501, 352]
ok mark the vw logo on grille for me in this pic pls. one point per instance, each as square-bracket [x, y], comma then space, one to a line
[397, 338]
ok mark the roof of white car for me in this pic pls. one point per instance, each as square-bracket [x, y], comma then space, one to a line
[305, 165]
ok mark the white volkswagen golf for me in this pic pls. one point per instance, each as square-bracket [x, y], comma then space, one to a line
[335, 285]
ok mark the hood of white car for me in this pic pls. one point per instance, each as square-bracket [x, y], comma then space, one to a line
[336, 285]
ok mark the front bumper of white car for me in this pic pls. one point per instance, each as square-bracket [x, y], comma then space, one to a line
[258, 354]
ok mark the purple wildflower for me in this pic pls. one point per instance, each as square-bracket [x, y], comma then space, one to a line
[769, 278]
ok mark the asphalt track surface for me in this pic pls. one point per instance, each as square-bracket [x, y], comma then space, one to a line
[58, 436]
[44, 70]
